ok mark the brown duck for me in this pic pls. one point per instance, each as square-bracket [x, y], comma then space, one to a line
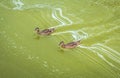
[45, 31]
[69, 45]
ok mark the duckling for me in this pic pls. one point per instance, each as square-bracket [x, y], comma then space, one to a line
[45, 31]
[69, 45]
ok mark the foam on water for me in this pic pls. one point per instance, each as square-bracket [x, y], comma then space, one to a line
[18, 4]
[102, 50]
[61, 18]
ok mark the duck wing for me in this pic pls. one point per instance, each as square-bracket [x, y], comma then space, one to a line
[71, 44]
[45, 31]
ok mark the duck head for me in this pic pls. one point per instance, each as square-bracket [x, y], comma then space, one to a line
[62, 44]
[37, 29]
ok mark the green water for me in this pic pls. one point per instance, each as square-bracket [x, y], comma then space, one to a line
[95, 22]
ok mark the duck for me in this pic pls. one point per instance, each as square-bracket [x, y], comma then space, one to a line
[45, 31]
[69, 45]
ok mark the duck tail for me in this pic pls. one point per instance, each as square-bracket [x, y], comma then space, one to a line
[53, 29]
[78, 41]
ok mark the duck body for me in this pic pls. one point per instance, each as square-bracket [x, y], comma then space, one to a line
[45, 31]
[69, 45]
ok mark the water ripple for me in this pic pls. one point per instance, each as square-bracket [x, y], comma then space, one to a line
[102, 51]
[18, 4]
[61, 18]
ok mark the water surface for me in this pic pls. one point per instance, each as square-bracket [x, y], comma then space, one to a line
[25, 55]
